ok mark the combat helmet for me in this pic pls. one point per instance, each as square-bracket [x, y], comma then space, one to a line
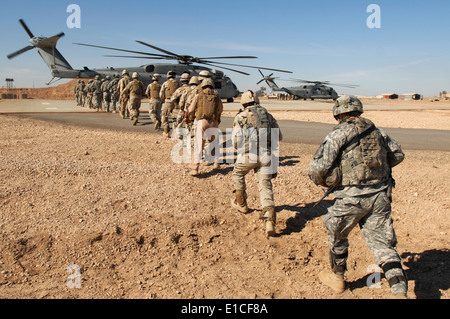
[346, 104]
[204, 75]
[124, 72]
[171, 74]
[194, 80]
[207, 82]
[184, 78]
[156, 77]
[135, 75]
[249, 98]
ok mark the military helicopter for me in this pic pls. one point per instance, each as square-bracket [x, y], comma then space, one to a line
[60, 68]
[311, 90]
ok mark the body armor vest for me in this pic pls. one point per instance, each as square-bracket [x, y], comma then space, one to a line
[364, 160]
[207, 105]
[172, 86]
[154, 90]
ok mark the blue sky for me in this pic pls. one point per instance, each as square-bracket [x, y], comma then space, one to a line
[326, 40]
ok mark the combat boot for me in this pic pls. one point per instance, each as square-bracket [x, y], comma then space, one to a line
[240, 201]
[157, 125]
[135, 120]
[216, 165]
[333, 280]
[270, 218]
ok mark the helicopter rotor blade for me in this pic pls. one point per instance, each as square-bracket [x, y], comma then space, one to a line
[222, 67]
[134, 57]
[230, 57]
[249, 66]
[122, 50]
[159, 49]
[27, 30]
[13, 55]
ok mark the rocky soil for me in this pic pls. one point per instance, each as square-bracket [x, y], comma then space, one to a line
[114, 206]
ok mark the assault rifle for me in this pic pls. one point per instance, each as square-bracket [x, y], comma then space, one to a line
[328, 192]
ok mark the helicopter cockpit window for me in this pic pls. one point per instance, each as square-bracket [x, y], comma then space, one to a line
[149, 68]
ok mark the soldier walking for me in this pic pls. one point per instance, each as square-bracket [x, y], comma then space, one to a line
[255, 132]
[106, 92]
[152, 92]
[114, 92]
[356, 158]
[123, 82]
[167, 89]
[206, 109]
[176, 99]
[134, 92]
[97, 93]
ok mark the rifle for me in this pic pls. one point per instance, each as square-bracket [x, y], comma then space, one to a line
[328, 192]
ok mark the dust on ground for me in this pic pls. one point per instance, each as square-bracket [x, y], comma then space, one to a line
[138, 226]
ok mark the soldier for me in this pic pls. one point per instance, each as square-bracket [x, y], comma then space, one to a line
[176, 98]
[123, 82]
[186, 100]
[356, 159]
[89, 93]
[83, 93]
[134, 92]
[206, 109]
[106, 92]
[114, 92]
[96, 86]
[167, 89]
[152, 92]
[251, 127]
[76, 91]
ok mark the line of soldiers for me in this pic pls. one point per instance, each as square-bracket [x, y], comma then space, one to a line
[354, 162]
[98, 94]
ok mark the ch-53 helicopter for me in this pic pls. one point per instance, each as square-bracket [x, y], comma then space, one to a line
[60, 68]
[310, 90]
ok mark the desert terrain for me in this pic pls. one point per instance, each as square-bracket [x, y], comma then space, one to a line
[110, 210]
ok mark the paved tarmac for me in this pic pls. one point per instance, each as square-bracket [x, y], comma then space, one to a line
[66, 112]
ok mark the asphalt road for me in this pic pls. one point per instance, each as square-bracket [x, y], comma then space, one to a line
[65, 112]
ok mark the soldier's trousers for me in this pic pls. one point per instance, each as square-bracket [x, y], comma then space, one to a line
[155, 109]
[98, 98]
[124, 108]
[264, 180]
[166, 112]
[373, 214]
[134, 105]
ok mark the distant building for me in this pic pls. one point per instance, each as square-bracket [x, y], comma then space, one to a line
[390, 96]
[412, 96]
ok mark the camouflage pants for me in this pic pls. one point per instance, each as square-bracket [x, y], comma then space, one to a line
[264, 179]
[155, 110]
[97, 98]
[373, 214]
[114, 99]
[124, 112]
[166, 112]
[134, 106]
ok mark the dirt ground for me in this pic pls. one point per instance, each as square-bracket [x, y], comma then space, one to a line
[114, 206]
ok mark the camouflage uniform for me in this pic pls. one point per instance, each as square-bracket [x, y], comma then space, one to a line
[134, 91]
[365, 155]
[113, 88]
[123, 82]
[97, 93]
[106, 93]
[152, 92]
[254, 157]
[176, 99]
[83, 93]
[206, 110]
[167, 89]
[76, 91]
[89, 93]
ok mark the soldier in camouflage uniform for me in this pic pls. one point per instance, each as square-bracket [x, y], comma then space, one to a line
[76, 91]
[356, 158]
[113, 88]
[206, 111]
[97, 93]
[176, 98]
[82, 93]
[89, 93]
[134, 92]
[167, 90]
[152, 92]
[106, 92]
[250, 127]
[123, 82]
